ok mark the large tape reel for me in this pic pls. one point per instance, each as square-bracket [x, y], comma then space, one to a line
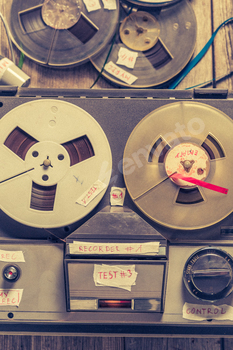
[51, 154]
[60, 33]
[169, 37]
[153, 3]
[168, 137]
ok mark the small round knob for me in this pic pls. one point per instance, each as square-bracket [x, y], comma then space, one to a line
[47, 163]
[11, 273]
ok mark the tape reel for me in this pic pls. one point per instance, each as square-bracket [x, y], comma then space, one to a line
[168, 36]
[167, 138]
[51, 154]
[154, 3]
[60, 33]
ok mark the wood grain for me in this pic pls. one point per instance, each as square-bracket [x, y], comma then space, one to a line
[223, 44]
[203, 70]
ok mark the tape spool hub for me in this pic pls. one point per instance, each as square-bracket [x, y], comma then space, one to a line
[139, 31]
[161, 144]
[61, 14]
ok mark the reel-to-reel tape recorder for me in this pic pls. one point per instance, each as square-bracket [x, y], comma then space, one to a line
[71, 260]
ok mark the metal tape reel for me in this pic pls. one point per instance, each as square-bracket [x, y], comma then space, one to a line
[60, 33]
[165, 130]
[175, 32]
[51, 154]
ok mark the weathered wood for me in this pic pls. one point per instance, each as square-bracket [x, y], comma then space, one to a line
[146, 343]
[10, 342]
[203, 70]
[223, 43]
[227, 344]
[76, 343]
[194, 344]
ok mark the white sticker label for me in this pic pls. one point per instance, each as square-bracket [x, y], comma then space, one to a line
[110, 4]
[127, 58]
[120, 73]
[117, 196]
[11, 256]
[92, 5]
[10, 297]
[119, 276]
[149, 248]
[197, 312]
[91, 193]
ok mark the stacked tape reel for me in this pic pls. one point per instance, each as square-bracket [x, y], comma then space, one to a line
[181, 138]
[51, 156]
[153, 3]
[151, 46]
[61, 33]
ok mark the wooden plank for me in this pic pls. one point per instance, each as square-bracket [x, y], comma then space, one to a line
[194, 344]
[11, 342]
[203, 70]
[146, 343]
[227, 344]
[73, 343]
[223, 43]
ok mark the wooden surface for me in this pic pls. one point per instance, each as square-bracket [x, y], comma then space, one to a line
[217, 62]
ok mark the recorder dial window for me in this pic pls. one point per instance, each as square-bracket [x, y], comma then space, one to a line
[208, 274]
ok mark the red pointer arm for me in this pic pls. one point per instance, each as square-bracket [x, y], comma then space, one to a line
[200, 183]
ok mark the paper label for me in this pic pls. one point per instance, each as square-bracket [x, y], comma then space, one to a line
[120, 73]
[149, 248]
[91, 193]
[197, 312]
[119, 276]
[127, 58]
[92, 5]
[110, 4]
[11, 256]
[10, 297]
[117, 196]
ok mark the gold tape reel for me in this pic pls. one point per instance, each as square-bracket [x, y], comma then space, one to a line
[51, 155]
[185, 132]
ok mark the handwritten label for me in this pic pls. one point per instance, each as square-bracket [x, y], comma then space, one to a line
[110, 4]
[205, 312]
[91, 193]
[11, 256]
[10, 297]
[117, 196]
[149, 248]
[127, 58]
[120, 73]
[92, 5]
[119, 276]
[4, 64]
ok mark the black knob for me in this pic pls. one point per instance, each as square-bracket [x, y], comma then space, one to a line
[208, 274]
[11, 273]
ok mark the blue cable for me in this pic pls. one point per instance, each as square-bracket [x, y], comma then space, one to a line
[199, 56]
